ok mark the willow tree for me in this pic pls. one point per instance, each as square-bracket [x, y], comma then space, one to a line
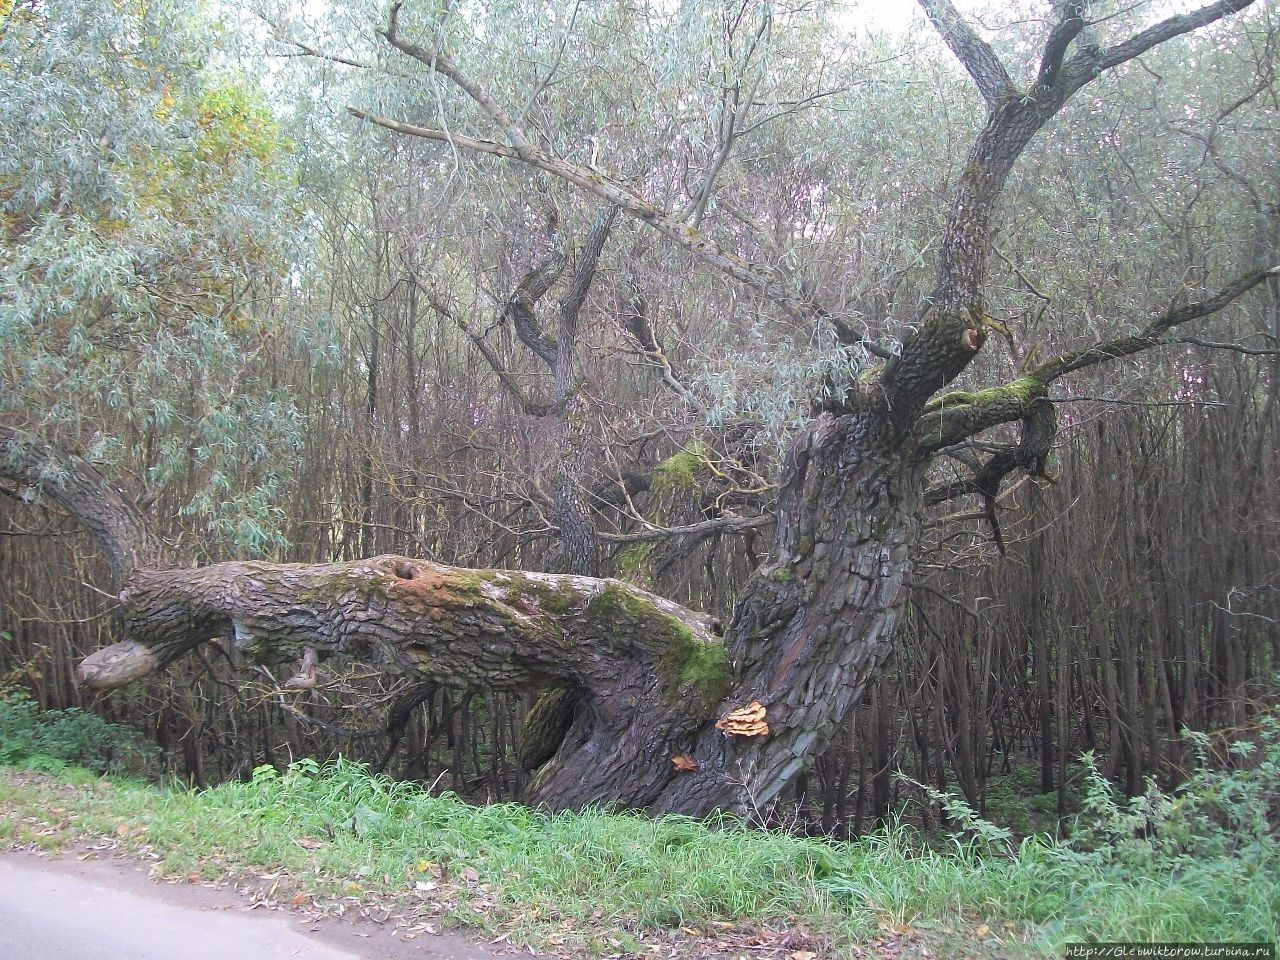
[140, 225]
[677, 712]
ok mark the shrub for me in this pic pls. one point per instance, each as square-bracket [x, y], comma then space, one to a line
[50, 739]
[1200, 862]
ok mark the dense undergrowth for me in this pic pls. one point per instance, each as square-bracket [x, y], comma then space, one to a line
[1198, 864]
[50, 740]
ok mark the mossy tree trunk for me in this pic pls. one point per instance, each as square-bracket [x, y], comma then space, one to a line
[646, 670]
[652, 677]
[816, 621]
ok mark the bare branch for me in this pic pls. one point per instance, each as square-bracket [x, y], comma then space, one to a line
[974, 53]
[1145, 404]
[1151, 335]
[439, 61]
[1070, 23]
[585, 271]
[641, 329]
[760, 278]
[703, 528]
[528, 406]
[304, 49]
[971, 609]
[733, 109]
[1087, 64]
[1236, 347]
[545, 82]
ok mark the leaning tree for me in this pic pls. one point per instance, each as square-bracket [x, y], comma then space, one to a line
[676, 712]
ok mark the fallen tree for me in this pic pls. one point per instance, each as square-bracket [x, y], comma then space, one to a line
[672, 714]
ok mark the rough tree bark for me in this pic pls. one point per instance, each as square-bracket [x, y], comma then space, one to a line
[672, 716]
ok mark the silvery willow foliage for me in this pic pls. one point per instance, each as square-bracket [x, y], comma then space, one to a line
[143, 212]
[772, 385]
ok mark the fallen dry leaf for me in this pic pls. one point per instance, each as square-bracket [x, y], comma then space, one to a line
[683, 763]
[306, 843]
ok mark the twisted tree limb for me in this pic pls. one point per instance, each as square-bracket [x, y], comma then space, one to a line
[111, 518]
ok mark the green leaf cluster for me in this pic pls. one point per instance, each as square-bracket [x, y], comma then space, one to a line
[143, 227]
[52, 739]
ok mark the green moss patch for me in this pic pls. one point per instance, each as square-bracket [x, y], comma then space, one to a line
[679, 472]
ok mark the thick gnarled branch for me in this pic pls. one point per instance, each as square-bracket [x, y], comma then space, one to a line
[479, 629]
[121, 531]
[1068, 26]
[585, 270]
[953, 328]
[1087, 64]
[974, 53]
[646, 673]
[1152, 334]
[1039, 427]
[960, 414]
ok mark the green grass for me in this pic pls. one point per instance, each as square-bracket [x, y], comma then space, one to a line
[1201, 864]
[536, 875]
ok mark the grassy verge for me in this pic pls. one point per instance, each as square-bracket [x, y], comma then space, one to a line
[589, 882]
[607, 884]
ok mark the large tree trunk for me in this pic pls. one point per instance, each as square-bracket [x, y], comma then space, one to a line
[579, 542]
[652, 677]
[816, 621]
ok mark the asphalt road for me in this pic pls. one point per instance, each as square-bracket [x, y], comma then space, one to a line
[64, 910]
[53, 916]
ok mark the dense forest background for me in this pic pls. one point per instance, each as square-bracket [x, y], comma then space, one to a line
[284, 331]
